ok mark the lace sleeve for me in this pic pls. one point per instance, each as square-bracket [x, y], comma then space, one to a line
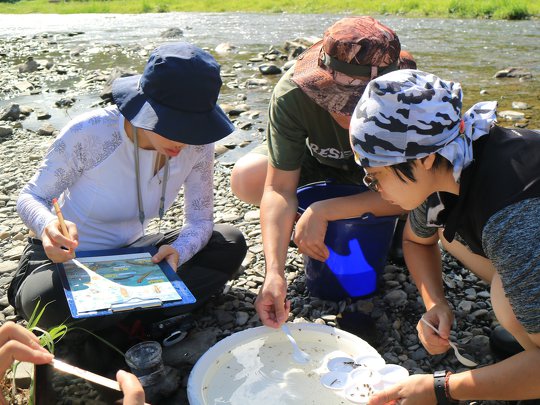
[198, 206]
[76, 150]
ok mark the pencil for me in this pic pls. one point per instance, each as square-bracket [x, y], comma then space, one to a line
[60, 218]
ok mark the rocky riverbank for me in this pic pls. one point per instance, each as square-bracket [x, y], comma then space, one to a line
[48, 78]
[395, 309]
[72, 78]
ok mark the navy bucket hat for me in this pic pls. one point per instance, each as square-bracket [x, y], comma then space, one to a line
[176, 96]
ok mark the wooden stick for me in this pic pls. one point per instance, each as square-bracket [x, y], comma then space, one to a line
[87, 375]
[60, 218]
[61, 221]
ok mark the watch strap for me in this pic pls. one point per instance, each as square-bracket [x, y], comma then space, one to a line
[439, 380]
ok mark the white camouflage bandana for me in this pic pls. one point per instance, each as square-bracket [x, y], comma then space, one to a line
[409, 114]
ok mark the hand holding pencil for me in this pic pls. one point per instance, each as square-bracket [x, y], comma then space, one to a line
[60, 238]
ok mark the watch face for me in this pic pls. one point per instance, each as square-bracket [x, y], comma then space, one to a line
[439, 373]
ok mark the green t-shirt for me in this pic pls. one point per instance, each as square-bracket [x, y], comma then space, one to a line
[300, 130]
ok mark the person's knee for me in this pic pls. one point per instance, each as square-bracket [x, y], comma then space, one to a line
[42, 291]
[248, 177]
[230, 244]
[236, 242]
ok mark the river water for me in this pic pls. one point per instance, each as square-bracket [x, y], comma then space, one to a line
[468, 51]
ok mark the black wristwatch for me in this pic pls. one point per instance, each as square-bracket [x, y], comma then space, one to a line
[440, 389]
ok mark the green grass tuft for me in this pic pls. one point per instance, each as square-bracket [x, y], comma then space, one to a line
[500, 9]
[48, 338]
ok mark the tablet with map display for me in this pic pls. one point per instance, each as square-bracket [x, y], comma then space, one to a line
[108, 281]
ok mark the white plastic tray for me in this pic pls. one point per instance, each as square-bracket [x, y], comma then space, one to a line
[255, 366]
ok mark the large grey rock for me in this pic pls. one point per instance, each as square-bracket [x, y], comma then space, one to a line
[46, 129]
[511, 115]
[253, 215]
[8, 266]
[106, 93]
[5, 131]
[234, 110]
[225, 47]
[29, 66]
[269, 69]
[42, 114]
[479, 343]
[252, 82]
[466, 306]
[241, 318]
[220, 150]
[26, 110]
[23, 86]
[513, 72]
[172, 33]
[298, 45]
[223, 317]
[14, 253]
[65, 102]
[520, 105]
[396, 297]
[419, 354]
[10, 113]
[289, 64]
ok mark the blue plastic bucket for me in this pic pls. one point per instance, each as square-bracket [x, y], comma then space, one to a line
[358, 247]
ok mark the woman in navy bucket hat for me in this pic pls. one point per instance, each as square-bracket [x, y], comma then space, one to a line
[114, 169]
[175, 96]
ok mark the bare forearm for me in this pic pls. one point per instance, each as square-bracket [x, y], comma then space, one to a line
[355, 206]
[278, 212]
[513, 378]
[424, 264]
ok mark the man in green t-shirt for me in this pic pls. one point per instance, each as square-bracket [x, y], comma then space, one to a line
[309, 115]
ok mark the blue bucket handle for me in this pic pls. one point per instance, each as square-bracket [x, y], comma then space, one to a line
[326, 183]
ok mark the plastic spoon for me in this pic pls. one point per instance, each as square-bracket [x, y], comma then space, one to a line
[299, 356]
[463, 360]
